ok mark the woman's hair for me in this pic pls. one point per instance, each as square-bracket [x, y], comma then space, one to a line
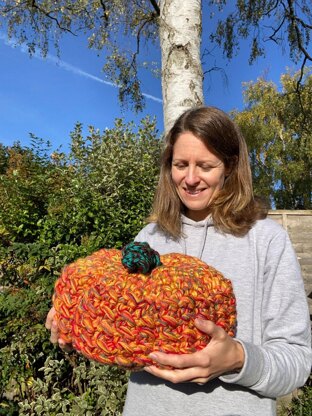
[234, 210]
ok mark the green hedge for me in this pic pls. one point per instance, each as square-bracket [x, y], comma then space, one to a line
[54, 208]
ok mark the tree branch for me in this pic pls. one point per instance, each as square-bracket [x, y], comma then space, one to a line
[48, 14]
[9, 9]
[150, 19]
[293, 20]
[275, 31]
[304, 24]
[275, 6]
[223, 74]
[105, 12]
[156, 7]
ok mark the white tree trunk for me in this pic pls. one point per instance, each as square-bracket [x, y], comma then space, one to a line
[180, 39]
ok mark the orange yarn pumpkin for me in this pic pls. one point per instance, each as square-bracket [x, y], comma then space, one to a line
[117, 317]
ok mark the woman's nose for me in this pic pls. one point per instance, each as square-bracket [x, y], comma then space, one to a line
[191, 177]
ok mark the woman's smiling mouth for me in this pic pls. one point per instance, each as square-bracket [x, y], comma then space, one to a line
[193, 192]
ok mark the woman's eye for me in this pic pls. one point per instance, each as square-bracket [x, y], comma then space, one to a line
[206, 168]
[179, 165]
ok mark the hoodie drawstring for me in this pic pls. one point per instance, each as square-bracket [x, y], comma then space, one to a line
[202, 242]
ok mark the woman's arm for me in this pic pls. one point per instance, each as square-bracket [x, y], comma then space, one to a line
[283, 362]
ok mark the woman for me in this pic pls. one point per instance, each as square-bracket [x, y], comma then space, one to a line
[204, 206]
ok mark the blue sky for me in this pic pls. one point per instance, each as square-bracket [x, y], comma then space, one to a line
[48, 96]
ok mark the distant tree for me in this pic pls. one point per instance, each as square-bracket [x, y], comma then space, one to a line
[3, 158]
[120, 26]
[278, 129]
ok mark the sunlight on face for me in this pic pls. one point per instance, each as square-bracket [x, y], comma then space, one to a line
[197, 173]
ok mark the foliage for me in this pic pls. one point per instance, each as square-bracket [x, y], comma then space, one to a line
[277, 126]
[55, 207]
[301, 404]
[119, 28]
[112, 170]
[22, 189]
[269, 20]
[72, 386]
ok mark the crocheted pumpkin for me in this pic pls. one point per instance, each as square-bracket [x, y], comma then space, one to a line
[115, 309]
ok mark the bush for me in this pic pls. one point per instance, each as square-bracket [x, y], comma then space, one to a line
[54, 208]
[301, 404]
[76, 387]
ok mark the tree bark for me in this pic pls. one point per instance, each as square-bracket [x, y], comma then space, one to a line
[180, 28]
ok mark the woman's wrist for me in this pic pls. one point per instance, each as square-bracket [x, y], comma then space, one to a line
[240, 357]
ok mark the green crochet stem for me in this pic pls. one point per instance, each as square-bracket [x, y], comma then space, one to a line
[140, 258]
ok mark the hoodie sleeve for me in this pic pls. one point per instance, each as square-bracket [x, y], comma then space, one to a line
[282, 362]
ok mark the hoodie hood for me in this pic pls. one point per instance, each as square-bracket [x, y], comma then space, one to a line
[194, 235]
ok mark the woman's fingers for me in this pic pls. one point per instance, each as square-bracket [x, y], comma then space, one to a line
[50, 318]
[194, 374]
[51, 324]
[178, 361]
[54, 336]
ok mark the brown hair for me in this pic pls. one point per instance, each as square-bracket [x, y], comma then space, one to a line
[235, 209]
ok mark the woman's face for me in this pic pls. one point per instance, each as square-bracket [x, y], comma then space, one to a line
[197, 173]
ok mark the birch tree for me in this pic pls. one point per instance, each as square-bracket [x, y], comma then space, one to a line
[180, 39]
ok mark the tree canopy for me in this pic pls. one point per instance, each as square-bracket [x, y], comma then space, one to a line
[278, 128]
[287, 23]
[119, 27]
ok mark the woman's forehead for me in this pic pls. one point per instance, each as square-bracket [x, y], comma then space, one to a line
[187, 145]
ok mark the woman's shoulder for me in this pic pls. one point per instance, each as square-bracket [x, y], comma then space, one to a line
[268, 228]
[158, 239]
[151, 230]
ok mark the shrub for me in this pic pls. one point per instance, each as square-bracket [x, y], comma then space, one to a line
[54, 208]
[76, 387]
[301, 404]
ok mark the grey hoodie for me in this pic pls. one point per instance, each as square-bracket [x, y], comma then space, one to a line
[273, 324]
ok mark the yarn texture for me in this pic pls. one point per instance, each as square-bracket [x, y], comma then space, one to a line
[117, 306]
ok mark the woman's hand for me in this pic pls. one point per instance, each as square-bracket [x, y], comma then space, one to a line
[222, 355]
[51, 324]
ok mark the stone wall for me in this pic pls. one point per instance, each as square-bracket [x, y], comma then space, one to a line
[299, 227]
